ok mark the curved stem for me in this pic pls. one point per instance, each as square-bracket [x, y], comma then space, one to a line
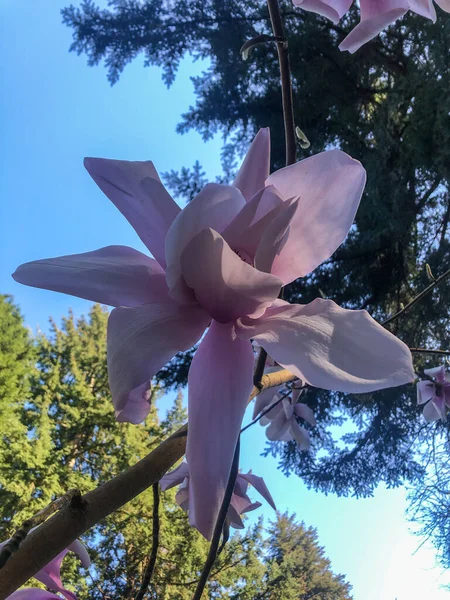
[219, 526]
[155, 544]
[286, 84]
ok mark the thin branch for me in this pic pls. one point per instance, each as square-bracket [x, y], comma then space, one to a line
[155, 544]
[423, 293]
[212, 554]
[16, 540]
[53, 536]
[430, 351]
[286, 84]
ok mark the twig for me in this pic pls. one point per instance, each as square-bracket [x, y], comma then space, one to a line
[155, 544]
[286, 84]
[269, 408]
[259, 369]
[16, 540]
[219, 525]
[53, 536]
[423, 293]
[430, 351]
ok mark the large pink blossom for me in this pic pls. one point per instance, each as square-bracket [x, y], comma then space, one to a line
[240, 502]
[219, 265]
[50, 576]
[375, 15]
[434, 393]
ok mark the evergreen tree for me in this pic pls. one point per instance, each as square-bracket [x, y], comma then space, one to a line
[60, 432]
[297, 568]
[388, 105]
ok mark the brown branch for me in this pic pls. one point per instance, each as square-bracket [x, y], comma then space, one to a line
[430, 351]
[417, 298]
[53, 536]
[155, 544]
[286, 84]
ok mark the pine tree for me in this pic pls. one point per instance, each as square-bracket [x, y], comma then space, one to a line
[297, 568]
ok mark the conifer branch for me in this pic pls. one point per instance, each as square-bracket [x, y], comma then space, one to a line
[82, 513]
[419, 296]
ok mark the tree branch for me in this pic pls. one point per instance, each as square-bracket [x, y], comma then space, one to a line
[417, 298]
[53, 536]
[155, 544]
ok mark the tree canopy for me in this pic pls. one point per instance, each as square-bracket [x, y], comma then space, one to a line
[388, 106]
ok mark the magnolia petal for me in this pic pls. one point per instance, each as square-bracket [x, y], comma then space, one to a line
[245, 231]
[50, 576]
[425, 391]
[304, 412]
[274, 239]
[234, 517]
[434, 410]
[33, 594]
[256, 166]
[141, 340]
[300, 435]
[371, 26]
[115, 275]
[215, 206]
[424, 8]
[135, 189]
[437, 372]
[444, 4]
[331, 347]
[223, 284]
[175, 477]
[260, 486]
[80, 550]
[271, 414]
[332, 9]
[182, 497]
[329, 186]
[278, 430]
[219, 384]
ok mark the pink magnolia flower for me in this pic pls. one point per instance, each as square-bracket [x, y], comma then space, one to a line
[50, 576]
[375, 15]
[434, 394]
[282, 418]
[220, 262]
[240, 501]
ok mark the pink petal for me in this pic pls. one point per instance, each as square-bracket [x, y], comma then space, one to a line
[50, 576]
[434, 410]
[215, 206]
[444, 4]
[425, 391]
[278, 430]
[80, 550]
[330, 347]
[437, 372]
[300, 435]
[234, 518]
[141, 341]
[424, 8]
[259, 484]
[256, 166]
[245, 231]
[329, 187]
[272, 414]
[275, 238]
[135, 189]
[32, 594]
[175, 477]
[115, 275]
[304, 412]
[371, 26]
[182, 498]
[332, 9]
[223, 284]
[219, 384]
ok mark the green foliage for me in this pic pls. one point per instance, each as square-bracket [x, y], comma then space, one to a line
[387, 105]
[59, 432]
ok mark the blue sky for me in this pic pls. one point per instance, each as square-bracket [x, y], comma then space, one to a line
[55, 110]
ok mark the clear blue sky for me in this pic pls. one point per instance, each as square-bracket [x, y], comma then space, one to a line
[55, 110]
